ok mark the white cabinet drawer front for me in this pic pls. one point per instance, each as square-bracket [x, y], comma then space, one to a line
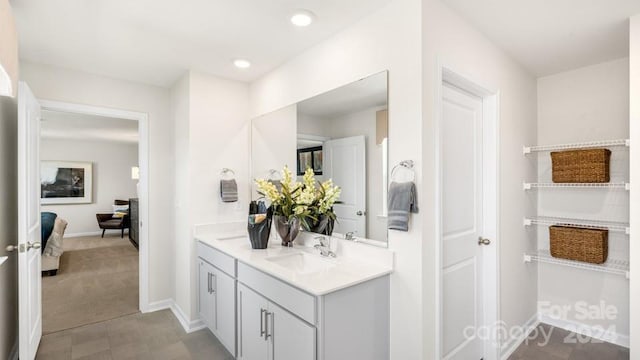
[287, 296]
[216, 258]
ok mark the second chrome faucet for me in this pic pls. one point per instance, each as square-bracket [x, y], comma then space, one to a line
[323, 246]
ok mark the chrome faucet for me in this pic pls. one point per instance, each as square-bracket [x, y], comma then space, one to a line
[323, 246]
[350, 236]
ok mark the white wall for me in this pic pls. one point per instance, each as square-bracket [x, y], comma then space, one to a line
[389, 39]
[8, 225]
[273, 144]
[212, 133]
[634, 130]
[586, 104]
[8, 51]
[449, 40]
[52, 83]
[112, 162]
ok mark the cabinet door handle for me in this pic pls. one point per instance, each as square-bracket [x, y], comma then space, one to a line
[210, 286]
[267, 335]
[262, 317]
[214, 285]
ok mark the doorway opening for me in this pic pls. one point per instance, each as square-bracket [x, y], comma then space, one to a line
[467, 218]
[94, 166]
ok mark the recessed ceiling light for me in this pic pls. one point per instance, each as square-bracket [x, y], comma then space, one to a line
[242, 63]
[302, 18]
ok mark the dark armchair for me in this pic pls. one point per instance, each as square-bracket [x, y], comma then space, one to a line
[107, 221]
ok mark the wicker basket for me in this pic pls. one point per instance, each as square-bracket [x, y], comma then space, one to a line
[581, 166]
[588, 245]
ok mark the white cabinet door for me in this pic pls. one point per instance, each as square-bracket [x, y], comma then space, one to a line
[290, 338]
[206, 297]
[224, 289]
[252, 337]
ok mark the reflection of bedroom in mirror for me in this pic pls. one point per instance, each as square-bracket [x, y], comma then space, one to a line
[342, 135]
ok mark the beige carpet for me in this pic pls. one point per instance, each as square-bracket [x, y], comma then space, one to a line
[97, 281]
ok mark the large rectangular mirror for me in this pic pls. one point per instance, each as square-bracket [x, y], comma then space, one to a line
[341, 135]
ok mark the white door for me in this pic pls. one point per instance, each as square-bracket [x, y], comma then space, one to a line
[291, 338]
[252, 331]
[345, 163]
[461, 166]
[29, 276]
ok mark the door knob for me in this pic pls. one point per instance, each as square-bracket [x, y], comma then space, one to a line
[360, 213]
[11, 248]
[35, 245]
[483, 241]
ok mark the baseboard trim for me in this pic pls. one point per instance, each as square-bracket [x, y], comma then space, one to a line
[90, 233]
[82, 234]
[157, 306]
[587, 330]
[188, 325]
[13, 355]
[509, 348]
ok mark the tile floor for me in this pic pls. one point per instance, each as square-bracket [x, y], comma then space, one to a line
[558, 348]
[154, 336]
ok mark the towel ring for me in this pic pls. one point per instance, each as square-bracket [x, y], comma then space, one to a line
[227, 171]
[404, 164]
[274, 175]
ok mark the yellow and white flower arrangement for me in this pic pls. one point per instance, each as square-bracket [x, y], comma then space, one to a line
[307, 200]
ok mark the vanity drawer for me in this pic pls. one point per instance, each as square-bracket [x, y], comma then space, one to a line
[216, 258]
[293, 299]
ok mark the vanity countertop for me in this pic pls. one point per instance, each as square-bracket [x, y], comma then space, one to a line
[344, 271]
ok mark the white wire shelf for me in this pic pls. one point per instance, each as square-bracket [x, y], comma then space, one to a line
[529, 186]
[611, 266]
[581, 223]
[580, 145]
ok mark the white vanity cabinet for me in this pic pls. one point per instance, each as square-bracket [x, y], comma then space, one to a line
[258, 315]
[268, 332]
[217, 295]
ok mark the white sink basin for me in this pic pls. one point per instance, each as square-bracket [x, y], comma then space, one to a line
[302, 263]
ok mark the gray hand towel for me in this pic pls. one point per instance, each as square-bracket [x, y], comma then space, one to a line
[402, 201]
[229, 190]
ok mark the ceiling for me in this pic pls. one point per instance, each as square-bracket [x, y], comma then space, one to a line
[359, 95]
[63, 125]
[156, 41]
[549, 37]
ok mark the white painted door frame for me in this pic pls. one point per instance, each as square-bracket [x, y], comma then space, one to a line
[143, 189]
[491, 294]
